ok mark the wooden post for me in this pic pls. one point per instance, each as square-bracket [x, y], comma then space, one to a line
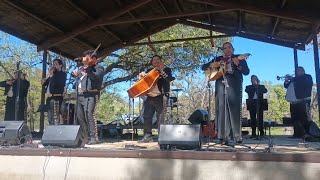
[44, 73]
[316, 66]
[295, 56]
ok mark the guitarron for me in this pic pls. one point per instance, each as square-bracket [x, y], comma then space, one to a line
[214, 73]
[144, 85]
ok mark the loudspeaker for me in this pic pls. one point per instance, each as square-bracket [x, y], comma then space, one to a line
[185, 136]
[198, 116]
[14, 132]
[62, 135]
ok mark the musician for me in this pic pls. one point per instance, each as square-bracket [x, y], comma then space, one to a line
[155, 99]
[89, 86]
[228, 122]
[54, 86]
[300, 110]
[255, 104]
[11, 86]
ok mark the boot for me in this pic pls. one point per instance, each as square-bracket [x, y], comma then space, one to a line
[253, 135]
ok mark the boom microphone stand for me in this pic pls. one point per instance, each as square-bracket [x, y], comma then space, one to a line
[17, 101]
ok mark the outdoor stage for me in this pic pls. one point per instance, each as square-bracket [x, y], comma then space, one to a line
[119, 159]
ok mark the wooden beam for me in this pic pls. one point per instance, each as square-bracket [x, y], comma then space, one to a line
[85, 27]
[161, 17]
[264, 11]
[276, 22]
[43, 90]
[309, 37]
[244, 35]
[178, 40]
[163, 8]
[130, 14]
[85, 13]
[40, 19]
[136, 38]
[239, 21]
[316, 66]
[295, 58]
[178, 5]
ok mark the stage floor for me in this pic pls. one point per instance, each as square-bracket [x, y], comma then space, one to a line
[281, 144]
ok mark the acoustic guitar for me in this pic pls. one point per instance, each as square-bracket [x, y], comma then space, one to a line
[214, 73]
[144, 85]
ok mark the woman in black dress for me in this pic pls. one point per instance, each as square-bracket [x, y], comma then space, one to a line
[228, 94]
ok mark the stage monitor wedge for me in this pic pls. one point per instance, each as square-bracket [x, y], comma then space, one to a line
[184, 136]
[14, 132]
[62, 136]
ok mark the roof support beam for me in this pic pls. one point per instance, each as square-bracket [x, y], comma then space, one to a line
[41, 20]
[135, 38]
[161, 17]
[178, 40]
[244, 35]
[163, 8]
[83, 12]
[264, 11]
[83, 28]
[276, 23]
[178, 5]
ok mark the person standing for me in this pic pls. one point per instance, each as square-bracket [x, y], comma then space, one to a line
[155, 99]
[55, 84]
[11, 86]
[300, 109]
[89, 86]
[228, 94]
[255, 104]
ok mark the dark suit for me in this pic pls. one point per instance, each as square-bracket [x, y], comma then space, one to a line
[10, 101]
[55, 88]
[300, 112]
[155, 104]
[228, 108]
[256, 106]
[89, 94]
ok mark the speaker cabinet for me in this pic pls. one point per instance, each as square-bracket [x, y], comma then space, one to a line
[62, 136]
[185, 136]
[198, 117]
[14, 132]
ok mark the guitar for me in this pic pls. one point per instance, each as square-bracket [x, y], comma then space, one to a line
[213, 73]
[144, 85]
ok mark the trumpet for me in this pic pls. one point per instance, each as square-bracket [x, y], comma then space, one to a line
[287, 76]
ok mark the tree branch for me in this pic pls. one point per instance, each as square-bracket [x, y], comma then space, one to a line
[119, 79]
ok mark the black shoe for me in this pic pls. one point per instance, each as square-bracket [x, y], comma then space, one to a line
[146, 139]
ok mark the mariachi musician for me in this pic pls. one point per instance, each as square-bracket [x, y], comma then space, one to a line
[155, 98]
[228, 94]
[301, 85]
[255, 104]
[89, 86]
[11, 93]
[54, 86]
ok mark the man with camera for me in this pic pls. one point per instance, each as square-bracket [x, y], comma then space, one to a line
[300, 108]
[89, 83]
[54, 85]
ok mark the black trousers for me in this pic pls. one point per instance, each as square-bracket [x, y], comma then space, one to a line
[86, 115]
[254, 121]
[10, 109]
[152, 105]
[54, 109]
[300, 115]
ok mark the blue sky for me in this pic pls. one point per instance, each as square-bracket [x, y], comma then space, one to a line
[268, 60]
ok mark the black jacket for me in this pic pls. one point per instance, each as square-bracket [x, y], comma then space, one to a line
[302, 86]
[57, 82]
[24, 87]
[164, 80]
[238, 70]
[93, 79]
[252, 89]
